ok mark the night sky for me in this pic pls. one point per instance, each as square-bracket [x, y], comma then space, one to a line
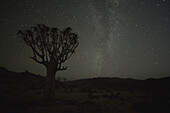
[118, 38]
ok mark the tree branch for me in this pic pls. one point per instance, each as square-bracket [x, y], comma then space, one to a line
[33, 58]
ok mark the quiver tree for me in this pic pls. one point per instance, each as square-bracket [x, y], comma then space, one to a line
[51, 47]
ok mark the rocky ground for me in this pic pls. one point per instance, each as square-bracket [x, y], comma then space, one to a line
[23, 93]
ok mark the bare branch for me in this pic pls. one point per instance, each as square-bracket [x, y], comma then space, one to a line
[33, 58]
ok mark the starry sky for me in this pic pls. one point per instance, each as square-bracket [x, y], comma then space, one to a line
[118, 38]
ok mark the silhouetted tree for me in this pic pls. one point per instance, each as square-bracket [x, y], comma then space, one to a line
[51, 47]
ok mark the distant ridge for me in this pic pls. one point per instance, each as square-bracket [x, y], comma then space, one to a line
[149, 85]
[27, 80]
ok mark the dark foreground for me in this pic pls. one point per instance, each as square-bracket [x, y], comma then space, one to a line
[23, 93]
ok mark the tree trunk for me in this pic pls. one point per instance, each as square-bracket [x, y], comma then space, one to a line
[49, 92]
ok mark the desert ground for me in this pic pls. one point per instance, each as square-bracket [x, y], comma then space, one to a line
[23, 93]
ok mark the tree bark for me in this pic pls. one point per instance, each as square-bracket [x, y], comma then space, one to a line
[49, 92]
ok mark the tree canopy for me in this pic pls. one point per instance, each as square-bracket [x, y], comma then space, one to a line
[50, 45]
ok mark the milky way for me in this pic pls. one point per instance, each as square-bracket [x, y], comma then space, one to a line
[118, 38]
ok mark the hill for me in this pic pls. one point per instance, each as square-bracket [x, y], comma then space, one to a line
[30, 80]
[150, 85]
[21, 80]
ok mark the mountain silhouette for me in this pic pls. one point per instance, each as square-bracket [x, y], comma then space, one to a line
[156, 85]
[30, 80]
